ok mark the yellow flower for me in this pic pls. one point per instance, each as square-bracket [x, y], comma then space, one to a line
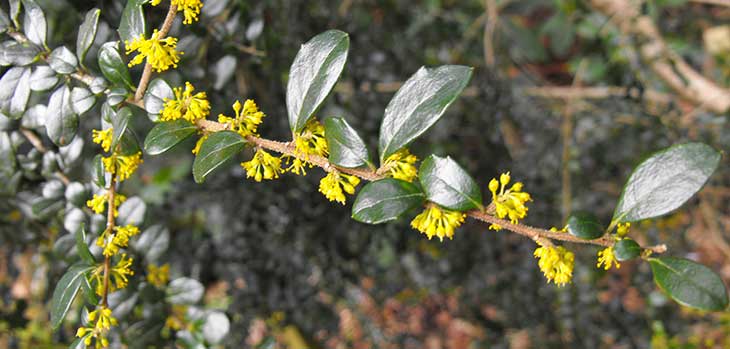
[98, 202]
[122, 165]
[160, 53]
[298, 166]
[556, 263]
[120, 239]
[246, 119]
[100, 321]
[606, 257]
[509, 203]
[262, 166]
[190, 8]
[104, 138]
[186, 105]
[400, 165]
[120, 271]
[158, 276]
[199, 143]
[310, 141]
[622, 229]
[438, 221]
[335, 184]
[556, 230]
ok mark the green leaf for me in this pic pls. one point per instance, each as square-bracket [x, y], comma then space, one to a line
[665, 181]
[184, 291]
[214, 152]
[132, 24]
[116, 95]
[99, 175]
[128, 144]
[585, 225]
[346, 148]
[61, 121]
[79, 342]
[166, 135]
[120, 122]
[448, 185]
[689, 283]
[43, 78]
[82, 247]
[154, 98]
[112, 65]
[87, 33]
[63, 61]
[88, 292]
[132, 212]
[626, 249]
[65, 292]
[82, 100]
[8, 83]
[386, 200]
[19, 102]
[418, 104]
[18, 54]
[314, 72]
[34, 23]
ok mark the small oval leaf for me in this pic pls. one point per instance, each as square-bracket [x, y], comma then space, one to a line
[689, 283]
[132, 24]
[386, 200]
[448, 185]
[43, 78]
[87, 33]
[346, 148]
[62, 60]
[313, 73]
[82, 100]
[154, 98]
[112, 65]
[61, 122]
[214, 152]
[166, 135]
[665, 181]
[34, 23]
[626, 249]
[418, 104]
[585, 225]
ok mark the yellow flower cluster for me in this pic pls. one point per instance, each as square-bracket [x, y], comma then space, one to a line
[438, 221]
[508, 202]
[607, 258]
[158, 276]
[401, 165]
[310, 141]
[186, 104]
[103, 138]
[246, 119]
[122, 165]
[101, 321]
[262, 166]
[98, 202]
[160, 53]
[335, 184]
[120, 239]
[556, 263]
[190, 8]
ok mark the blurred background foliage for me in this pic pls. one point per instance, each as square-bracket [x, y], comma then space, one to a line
[292, 270]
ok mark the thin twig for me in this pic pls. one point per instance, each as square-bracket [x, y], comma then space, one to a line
[533, 233]
[489, 28]
[109, 229]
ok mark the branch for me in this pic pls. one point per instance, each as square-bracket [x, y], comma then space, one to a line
[147, 72]
[670, 67]
[533, 233]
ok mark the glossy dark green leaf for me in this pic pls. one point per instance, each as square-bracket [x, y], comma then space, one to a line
[43, 78]
[313, 74]
[132, 24]
[82, 100]
[66, 290]
[87, 34]
[98, 173]
[116, 95]
[166, 135]
[63, 61]
[112, 65]
[214, 152]
[689, 283]
[88, 292]
[19, 101]
[386, 200]
[8, 83]
[585, 225]
[18, 54]
[82, 248]
[665, 181]
[448, 185]
[626, 249]
[34, 23]
[154, 98]
[346, 148]
[418, 104]
[120, 122]
[128, 143]
[61, 121]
